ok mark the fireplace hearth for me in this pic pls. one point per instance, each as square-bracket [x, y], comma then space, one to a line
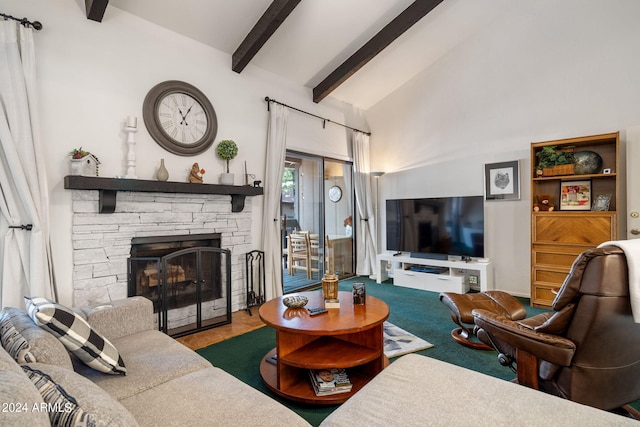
[187, 277]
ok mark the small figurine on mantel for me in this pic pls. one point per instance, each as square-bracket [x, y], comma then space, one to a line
[194, 176]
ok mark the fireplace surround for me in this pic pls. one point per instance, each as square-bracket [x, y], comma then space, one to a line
[102, 242]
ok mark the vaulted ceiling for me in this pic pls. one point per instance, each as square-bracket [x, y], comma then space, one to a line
[357, 51]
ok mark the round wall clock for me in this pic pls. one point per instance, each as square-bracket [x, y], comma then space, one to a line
[335, 194]
[180, 118]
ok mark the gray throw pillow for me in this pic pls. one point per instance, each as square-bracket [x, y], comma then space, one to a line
[43, 346]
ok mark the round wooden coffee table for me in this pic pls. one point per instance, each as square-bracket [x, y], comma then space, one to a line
[349, 337]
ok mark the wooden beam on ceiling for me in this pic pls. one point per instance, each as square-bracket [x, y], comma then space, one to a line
[401, 23]
[268, 23]
[95, 9]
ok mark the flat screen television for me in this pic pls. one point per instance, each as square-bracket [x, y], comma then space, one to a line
[436, 227]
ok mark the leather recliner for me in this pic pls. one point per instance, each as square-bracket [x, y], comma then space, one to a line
[588, 348]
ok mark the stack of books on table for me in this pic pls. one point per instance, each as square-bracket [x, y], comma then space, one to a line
[330, 381]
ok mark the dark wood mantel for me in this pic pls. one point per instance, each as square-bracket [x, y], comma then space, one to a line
[109, 187]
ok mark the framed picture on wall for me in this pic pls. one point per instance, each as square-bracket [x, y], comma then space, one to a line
[502, 181]
[575, 195]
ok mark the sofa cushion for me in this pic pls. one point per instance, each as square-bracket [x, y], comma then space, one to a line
[210, 397]
[153, 358]
[19, 397]
[121, 317]
[96, 404]
[8, 363]
[43, 346]
[418, 390]
[76, 335]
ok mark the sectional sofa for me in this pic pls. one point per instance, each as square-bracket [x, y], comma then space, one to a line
[166, 384]
[421, 391]
[143, 377]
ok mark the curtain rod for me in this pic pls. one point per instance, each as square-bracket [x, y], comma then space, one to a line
[324, 121]
[24, 21]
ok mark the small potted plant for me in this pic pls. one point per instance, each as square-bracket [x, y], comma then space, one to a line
[227, 150]
[84, 163]
[553, 162]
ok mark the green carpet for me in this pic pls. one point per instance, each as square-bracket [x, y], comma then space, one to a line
[418, 312]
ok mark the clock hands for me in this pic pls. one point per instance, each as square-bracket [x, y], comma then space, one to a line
[184, 116]
[182, 128]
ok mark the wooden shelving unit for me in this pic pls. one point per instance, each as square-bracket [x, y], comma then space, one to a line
[559, 236]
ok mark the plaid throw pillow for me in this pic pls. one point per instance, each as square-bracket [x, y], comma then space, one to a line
[76, 335]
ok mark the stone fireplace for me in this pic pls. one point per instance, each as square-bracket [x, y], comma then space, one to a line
[102, 242]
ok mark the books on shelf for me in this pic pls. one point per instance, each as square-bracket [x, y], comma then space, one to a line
[330, 381]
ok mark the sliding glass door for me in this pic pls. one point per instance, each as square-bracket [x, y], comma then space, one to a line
[317, 210]
[302, 224]
[338, 216]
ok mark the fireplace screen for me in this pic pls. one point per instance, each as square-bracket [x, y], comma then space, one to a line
[190, 288]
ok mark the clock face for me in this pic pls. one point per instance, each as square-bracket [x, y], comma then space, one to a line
[335, 194]
[180, 118]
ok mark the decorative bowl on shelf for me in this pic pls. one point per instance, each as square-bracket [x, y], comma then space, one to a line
[295, 301]
[587, 162]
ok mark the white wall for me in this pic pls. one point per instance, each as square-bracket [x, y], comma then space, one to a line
[93, 75]
[542, 70]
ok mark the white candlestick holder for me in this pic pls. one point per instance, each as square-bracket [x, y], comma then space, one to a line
[131, 152]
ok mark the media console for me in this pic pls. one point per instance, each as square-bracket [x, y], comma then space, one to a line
[433, 274]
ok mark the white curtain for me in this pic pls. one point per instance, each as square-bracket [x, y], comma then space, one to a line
[366, 223]
[347, 173]
[25, 256]
[271, 239]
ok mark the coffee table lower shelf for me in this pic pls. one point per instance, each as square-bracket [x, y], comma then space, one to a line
[302, 390]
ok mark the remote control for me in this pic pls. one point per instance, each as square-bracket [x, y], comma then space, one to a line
[273, 360]
[320, 311]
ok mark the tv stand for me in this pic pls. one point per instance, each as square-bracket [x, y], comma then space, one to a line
[434, 275]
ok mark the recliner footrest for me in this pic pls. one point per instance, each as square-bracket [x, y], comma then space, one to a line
[462, 306]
